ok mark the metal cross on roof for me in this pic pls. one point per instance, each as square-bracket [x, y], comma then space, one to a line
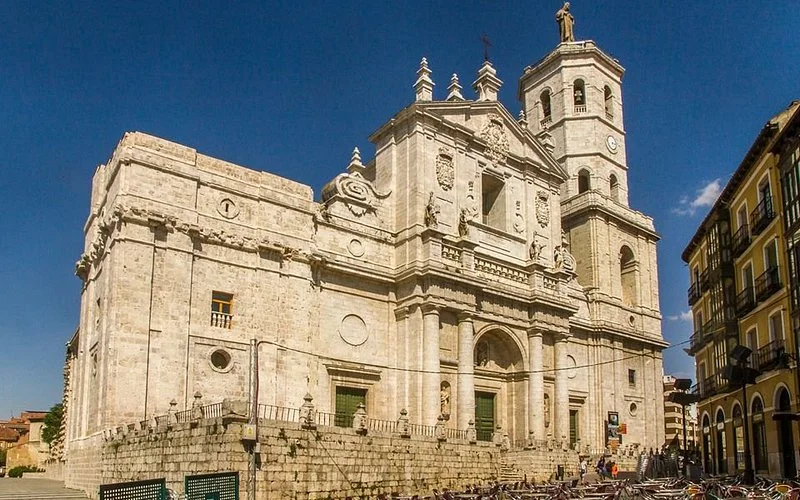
[486, 45]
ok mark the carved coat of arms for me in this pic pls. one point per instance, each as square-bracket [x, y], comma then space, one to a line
[445, 171]
[542, 208]
[496, 140]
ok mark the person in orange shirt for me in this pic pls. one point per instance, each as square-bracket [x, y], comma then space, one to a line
[614, 470]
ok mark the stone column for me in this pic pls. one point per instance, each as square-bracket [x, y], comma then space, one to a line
[535, 385]
[466, 371]
[561, 403]
[431, 378]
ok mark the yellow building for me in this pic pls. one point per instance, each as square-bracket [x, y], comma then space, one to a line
[740, 295]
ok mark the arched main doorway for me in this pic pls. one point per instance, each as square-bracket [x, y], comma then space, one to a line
[783, 403]
[500, 384]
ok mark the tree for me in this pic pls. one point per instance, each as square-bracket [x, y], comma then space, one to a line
[52, 423]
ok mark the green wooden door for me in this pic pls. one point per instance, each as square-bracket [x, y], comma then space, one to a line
[347, 401]
[484, 415]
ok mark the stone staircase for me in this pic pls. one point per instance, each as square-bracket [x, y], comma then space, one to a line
[66, 495]
[507, 473]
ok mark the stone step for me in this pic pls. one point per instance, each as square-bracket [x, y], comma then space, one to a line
[42, 496]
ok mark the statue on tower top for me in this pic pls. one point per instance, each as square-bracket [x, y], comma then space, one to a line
[565, 23]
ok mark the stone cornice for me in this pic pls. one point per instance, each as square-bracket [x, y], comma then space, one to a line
[595, 202]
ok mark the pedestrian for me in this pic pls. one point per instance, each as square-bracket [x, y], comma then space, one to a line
[601, 466]
[614, 470]
[583, 466]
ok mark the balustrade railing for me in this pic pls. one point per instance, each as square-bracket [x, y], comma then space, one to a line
[282, 413]
[580, 108]
[451, 253]
[221, 320]
[741, 240]
[761, 216]
[745, 301]
[488, 267]
[546, 121]
[694, 293]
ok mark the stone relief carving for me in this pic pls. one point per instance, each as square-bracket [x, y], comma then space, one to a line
[542, 208]
[519, 219]
[357, 193]
[432, 212]
[444, 396]
[562, 258]
[471, 209]
[496, 140]
[445, 171]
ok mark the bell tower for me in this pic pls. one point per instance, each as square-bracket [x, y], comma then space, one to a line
[573, 98]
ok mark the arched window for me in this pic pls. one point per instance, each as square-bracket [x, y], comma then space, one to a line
[627, 274]
[759, 435]
[579, 93]
[613, 185]
[609, 100]
[722, 456]
[707, 452]
[738, 438]
[547, 114]
[584, 181]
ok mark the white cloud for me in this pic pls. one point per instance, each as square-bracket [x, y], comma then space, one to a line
[683, 316]
[704, 197]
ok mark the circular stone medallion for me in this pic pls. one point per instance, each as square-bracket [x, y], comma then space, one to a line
[356, 248]
[353, 330]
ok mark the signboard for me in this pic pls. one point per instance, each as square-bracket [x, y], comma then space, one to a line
[613, 434]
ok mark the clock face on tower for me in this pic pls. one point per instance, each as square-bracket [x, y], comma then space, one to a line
[611, 144]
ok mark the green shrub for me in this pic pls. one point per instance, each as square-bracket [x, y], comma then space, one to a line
[21, 469]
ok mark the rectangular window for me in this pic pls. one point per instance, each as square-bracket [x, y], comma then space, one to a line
[752, 339]
[742, 216]
[494, 210]
[221, 309]
[776, 327]
[632, 377]
[771, 255]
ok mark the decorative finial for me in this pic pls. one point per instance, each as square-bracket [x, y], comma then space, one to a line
[522, 120]
[355, 162]
[487, 83]
[424, 85]
[455, 89]
[566, 24]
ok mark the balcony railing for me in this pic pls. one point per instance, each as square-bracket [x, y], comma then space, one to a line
[741, 240]
[768, 283]
[546, 121]
[771, 355]
[580, 109]
[704, 280]
[706, 387]
[694, 293]
[761, 216]
[745, 301]
[697, 340]
[221, 320]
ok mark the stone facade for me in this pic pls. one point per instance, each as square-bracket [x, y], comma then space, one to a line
[462, 272]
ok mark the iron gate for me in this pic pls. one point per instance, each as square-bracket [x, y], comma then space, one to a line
[221, 486]
[151, 489]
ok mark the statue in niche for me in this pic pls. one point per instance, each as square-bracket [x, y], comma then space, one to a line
[566, 23]
[482, 353]
[535, 250]
[463, 227]
[562, 258]
[547, 410]
[444, 396]
[432, 212]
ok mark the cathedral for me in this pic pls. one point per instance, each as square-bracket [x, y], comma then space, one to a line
[483, 268]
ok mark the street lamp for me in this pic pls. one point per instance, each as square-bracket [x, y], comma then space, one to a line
[683, 398]
[739, 373]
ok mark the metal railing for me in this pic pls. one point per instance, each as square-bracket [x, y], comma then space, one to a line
[761, 216]
[768, 283]
[694, 293]
[745, 301]
[771, 355]
[282, 413]
[741, 240]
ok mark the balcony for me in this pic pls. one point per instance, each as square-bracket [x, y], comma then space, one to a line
[762, 215]
[694, 293]
[772, 355]
[221, 320]
[768, 283]
[546, 121]
[745, 301]
[706, 388]
[697, 339]
[580, 109]
[705, 280]
[741, 240]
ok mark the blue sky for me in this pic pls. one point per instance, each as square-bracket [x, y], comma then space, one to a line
[292, 87]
